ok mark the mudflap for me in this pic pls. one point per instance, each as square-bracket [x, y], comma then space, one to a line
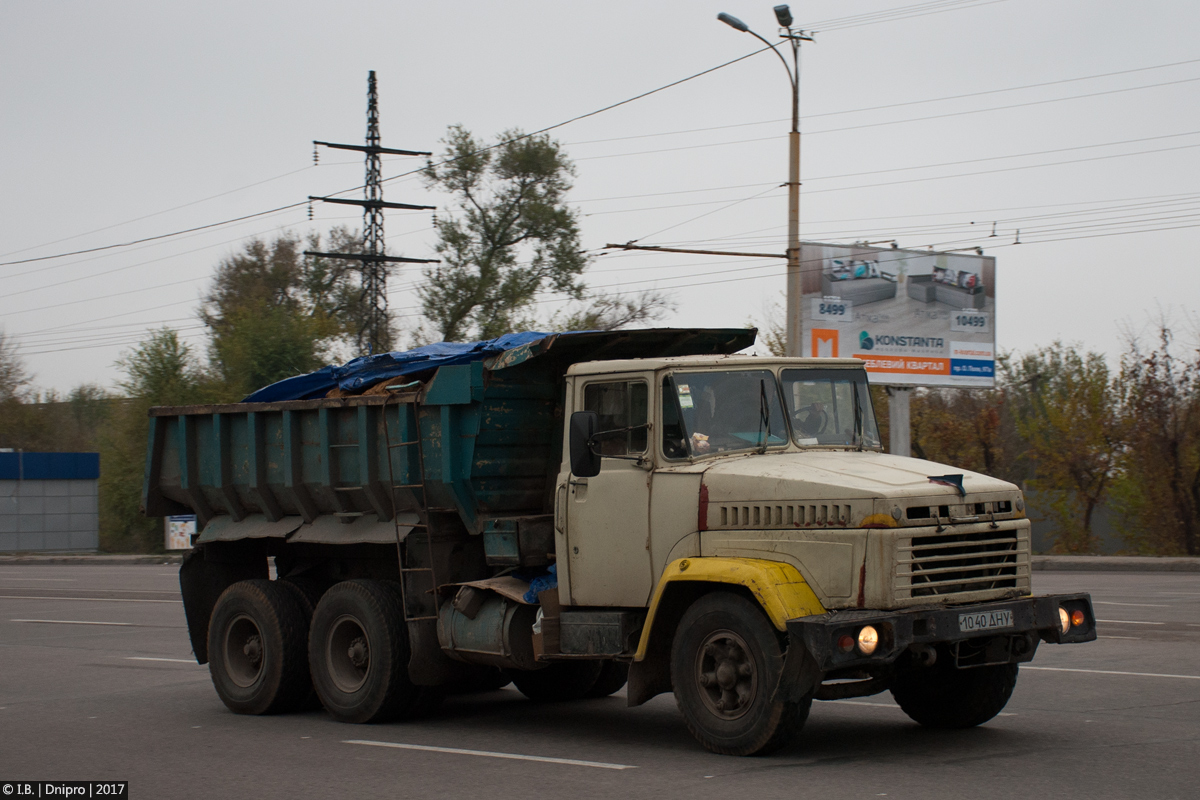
[208, 570]
[800, 676]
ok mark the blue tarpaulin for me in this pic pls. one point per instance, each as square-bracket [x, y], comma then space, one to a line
[368, 370]
[570, 347]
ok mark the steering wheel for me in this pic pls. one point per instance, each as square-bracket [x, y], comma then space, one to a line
[811, 422]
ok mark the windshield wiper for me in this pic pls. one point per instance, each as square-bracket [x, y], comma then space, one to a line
[764, 416]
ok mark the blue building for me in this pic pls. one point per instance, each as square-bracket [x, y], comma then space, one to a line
[49, 502]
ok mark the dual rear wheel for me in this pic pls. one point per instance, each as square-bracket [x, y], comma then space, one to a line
[272, 644]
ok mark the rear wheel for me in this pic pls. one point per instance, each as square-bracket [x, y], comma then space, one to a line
[942, 696]
[358, 652]
[726, 662]
[257, 639]
[558, 682]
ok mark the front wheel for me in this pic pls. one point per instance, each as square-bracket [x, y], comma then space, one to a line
[942, 696]
[726, 662]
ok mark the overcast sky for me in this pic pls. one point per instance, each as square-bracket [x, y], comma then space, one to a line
[1075, 121]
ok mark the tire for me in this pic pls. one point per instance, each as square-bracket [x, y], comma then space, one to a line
[726, 662]
[307, 593]
[257, 643]
[942, 696]
[358, 653]
[308, 589]
[559, 682]
[613, 675]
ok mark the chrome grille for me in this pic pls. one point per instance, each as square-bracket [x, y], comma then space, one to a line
[954, 562]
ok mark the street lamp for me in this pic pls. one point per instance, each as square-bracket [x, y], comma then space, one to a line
[794, 311]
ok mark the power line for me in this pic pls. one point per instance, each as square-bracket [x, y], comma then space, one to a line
[886, 106]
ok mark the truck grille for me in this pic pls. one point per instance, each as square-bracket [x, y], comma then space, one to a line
[953, 563]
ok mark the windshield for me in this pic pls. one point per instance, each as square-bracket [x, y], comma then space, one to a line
[830, 406]
[715, 412]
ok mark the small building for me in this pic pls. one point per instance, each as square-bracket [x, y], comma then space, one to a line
[49, 502]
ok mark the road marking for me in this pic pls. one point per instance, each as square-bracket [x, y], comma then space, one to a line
[1131, 605]
[90, 599]
[1135, 638]
[56, 580]
[1127, 622]
[71, 622]
[893, 705]
[1114, 672]
[173, 660]
[490, 754]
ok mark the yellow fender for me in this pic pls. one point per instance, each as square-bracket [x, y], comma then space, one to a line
[777, 586]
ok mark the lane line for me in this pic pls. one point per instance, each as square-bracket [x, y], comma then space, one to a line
[89, 599]
[896, 707]
[173, 660]
[1135, 638]
[72, 622]
[1114, 672]
[490, 754]
[56, 580]
[1131, 605]
[1127, 622]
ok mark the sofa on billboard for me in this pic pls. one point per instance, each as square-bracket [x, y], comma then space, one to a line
[857, 282]
[957, 288]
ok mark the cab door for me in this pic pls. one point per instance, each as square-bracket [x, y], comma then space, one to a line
[608, 514]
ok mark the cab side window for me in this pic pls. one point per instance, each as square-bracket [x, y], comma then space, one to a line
[620, 404]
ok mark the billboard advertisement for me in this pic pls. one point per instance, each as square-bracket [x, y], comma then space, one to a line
[179, 529]
[917, 317]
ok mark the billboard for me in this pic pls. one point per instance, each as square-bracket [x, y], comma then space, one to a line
[917, 317]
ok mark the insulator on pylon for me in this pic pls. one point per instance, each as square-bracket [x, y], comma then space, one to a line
[310, 209]
[316, 155]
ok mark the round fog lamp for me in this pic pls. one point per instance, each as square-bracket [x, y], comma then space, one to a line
[845, 643]
[1064, 619]
[868, 640]
[1077, 618]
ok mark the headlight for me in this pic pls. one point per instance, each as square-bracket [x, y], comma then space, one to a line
[868, 640]
[1064, 619]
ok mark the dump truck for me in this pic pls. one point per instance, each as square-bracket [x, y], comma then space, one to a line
[582, 512]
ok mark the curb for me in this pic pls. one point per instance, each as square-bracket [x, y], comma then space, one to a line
[91, 558]
[1115, 564]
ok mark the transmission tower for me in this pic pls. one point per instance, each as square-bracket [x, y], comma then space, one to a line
[373, 334]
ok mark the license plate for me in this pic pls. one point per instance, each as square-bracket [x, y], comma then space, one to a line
[985, 620]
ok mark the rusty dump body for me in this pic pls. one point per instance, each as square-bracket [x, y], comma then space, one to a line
[573, 512]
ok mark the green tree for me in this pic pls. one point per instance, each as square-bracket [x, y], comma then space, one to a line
[273, 312]
[1068, 411]
[1158, 488]
[512, 236]
[162, 370]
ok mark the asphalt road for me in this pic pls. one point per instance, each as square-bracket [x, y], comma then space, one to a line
[97, 683]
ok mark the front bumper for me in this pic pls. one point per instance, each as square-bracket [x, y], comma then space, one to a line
[955, 628]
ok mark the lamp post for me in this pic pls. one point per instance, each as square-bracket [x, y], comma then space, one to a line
[794, 309]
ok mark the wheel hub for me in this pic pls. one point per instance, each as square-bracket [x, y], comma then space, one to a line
[358, 654]
[348, 654]
[244, 651]
[726, 674]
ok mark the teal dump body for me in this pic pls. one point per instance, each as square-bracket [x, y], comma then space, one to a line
[486, 451]
[348, 469]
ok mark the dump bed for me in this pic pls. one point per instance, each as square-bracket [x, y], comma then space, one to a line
[481, 439]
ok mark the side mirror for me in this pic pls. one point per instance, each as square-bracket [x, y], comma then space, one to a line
[585, 462]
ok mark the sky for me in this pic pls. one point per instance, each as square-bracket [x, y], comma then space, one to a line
[1074, 122]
